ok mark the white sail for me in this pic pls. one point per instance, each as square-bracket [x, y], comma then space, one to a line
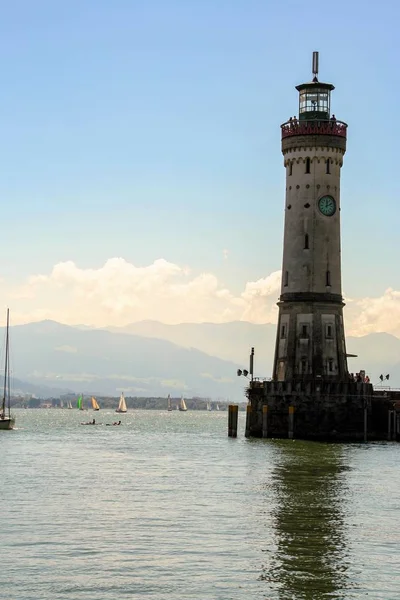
[183, 406]
[122, 404]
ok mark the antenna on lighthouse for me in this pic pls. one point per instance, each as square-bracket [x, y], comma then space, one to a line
[315, 61]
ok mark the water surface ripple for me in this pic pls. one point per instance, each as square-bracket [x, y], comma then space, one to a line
[167, 506]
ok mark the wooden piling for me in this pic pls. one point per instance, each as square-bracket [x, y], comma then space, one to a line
[389, 435]
[365, 422]
[291, 422]
[265, 421]
[248, 420]
[232, 420]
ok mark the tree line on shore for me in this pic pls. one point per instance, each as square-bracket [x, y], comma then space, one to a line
[133, 402]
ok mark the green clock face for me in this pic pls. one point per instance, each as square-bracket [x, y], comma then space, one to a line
[327, 205]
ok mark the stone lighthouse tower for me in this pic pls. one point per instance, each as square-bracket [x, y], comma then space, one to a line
[310, 394]
[310, 339]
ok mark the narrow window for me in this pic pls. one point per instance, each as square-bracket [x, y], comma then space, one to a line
[330, 364]
[303, 365]
[308, 165]
[304, 330]
[283, 331]
[286, 279]
[329, 331]
[306, 247]
[328, 278]
[290, 168]
[328, 166]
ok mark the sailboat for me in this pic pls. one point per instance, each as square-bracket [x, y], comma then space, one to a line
[6, 420]
[209, 406]
[122, 404]
[182, 405]
[69, 404]
[95, 404]
[217, 407]
[169, 403]
[79, 403]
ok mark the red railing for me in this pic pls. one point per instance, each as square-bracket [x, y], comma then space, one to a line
[317, 127]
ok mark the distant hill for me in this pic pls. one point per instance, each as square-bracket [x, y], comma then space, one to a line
[20, 387]
[153, 359]
[229, 341]
[377, 352]
[102, 362]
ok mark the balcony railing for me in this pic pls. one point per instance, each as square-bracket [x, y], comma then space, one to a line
[314, 127]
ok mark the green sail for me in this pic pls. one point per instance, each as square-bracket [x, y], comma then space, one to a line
[79, 403]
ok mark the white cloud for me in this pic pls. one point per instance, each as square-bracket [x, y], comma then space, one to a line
[120, 292]
[369, 315]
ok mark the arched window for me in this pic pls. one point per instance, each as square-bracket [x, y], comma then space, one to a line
[286, 283]
[308, 165]
[290, 168]
[306, 246]
[328, 166]
[328, 278]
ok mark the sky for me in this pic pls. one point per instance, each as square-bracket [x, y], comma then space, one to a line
[141, 172]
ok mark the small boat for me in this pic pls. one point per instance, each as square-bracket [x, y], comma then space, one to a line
[6, 420]
[182, 405]
[69, 405]
[209, 406]
[95, 404]
[217, 407]
[169, 403]
[122, 404]
[92, 423]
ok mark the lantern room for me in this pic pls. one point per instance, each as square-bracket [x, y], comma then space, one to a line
[314, 100]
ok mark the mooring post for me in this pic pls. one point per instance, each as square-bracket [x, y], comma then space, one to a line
[248, 420]
[291, 422]
[265, 421]
[232, 420]
[365, 421]
[389, 435]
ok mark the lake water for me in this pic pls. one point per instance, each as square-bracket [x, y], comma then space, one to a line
[167, 506]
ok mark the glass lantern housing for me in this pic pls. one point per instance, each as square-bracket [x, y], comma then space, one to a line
[314, 101]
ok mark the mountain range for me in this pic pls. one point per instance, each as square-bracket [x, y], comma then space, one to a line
[376, 353]
[153, 359]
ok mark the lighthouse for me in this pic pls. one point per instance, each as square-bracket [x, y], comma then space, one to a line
[311, 394]
[310, 340]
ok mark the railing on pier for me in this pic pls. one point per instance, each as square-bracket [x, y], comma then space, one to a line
[314, 127]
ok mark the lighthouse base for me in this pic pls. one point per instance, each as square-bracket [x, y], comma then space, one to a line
[321, 411]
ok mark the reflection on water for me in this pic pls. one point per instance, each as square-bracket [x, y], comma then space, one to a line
[309, 559]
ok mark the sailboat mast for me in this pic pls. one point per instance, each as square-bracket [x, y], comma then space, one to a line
[5, 367]
[8, 369]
